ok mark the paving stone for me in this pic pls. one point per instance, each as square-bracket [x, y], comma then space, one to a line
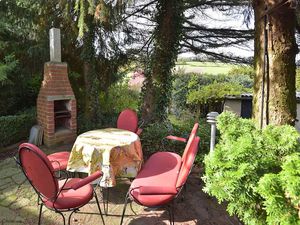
[29, 212]
[7, 163]
[20, 203]
[12, 190]
[8, 172]
[7, 215]
[19, 178]
[8, 200]
[6, 182]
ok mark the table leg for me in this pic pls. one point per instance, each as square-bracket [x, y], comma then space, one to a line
[105, 197]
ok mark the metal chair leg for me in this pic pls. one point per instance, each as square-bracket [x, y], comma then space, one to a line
[69, 220]
[124, 209]
[171, 214]
[99, 207]
[40, 215]
[132, 208]
[62, 217]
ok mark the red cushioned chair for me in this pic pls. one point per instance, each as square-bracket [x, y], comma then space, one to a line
[162, 177]
[59, 160]
[57, 195]
[128, 120]
[175, 138]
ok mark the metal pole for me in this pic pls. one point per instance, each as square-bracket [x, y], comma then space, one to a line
[212, 120]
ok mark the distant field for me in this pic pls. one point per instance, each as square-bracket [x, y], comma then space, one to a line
[203, 67]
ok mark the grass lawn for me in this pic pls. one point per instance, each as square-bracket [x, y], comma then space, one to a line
[204, 67]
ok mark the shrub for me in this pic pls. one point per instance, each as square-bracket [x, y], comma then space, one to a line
[214, 92]
[19, 89]
[188, 87]
[243, 156]
[15, 128]
[298, 79]
[242, 70]
[281, 192]
[119, 97]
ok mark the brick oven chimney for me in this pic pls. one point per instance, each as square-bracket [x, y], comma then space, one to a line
[56, 103]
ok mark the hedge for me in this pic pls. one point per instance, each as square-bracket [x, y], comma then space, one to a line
[15, 128]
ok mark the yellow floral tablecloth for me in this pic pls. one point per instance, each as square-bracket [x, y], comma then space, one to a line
[114, 151]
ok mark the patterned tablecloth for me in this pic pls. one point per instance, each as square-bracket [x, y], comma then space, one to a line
[114, 151]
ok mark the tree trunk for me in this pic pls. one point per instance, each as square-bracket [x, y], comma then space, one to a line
[91, 105]
[158, 83]
[280, 104]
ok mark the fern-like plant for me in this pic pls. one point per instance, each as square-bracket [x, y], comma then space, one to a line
[243, 156]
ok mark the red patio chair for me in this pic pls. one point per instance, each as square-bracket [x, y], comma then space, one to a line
[59, 160]
[128, 120]
[162, 178]
[57, 195]
[175, 138]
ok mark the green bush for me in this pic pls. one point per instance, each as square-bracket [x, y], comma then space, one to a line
[119, 97]
[243, 156]
[298, 79]
[214, 92]
[19, 90]
[281, 193]
[242, 70]
[185, 86]
[17, 127]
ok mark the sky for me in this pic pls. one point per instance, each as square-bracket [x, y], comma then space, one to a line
[214, 18]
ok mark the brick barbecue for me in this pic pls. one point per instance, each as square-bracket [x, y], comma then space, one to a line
[56, 105]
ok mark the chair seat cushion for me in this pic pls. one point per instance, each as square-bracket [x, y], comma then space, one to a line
[69, 199]
[62, 159]
[161, 169]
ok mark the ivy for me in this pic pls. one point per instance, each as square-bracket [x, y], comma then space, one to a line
[156, 92]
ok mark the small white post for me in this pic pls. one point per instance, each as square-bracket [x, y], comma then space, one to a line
[55, 45]
[212, 120]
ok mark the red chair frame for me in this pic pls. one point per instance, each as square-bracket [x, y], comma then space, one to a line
[59, 160]
[51, 192]
[128, 120]
[164, 196]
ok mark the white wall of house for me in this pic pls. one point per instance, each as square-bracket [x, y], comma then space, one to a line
[234, 106]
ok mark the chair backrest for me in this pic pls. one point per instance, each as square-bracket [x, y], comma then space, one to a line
[128, 120]
[38, 170]
[190, 140]
[188, 162]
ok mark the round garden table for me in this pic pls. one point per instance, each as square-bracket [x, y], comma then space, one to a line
[114, 151]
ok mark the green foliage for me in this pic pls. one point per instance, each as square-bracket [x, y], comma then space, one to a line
[119, 97]
[6, 68]
[298, 79]
[242, 157]
[153, 137]
[281, 193]
[242, 70]
[156, 92]
[203, 93]
[18, 90]
[214, 92]
[15, 128]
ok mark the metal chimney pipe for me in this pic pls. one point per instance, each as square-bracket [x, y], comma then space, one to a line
[212, 120]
